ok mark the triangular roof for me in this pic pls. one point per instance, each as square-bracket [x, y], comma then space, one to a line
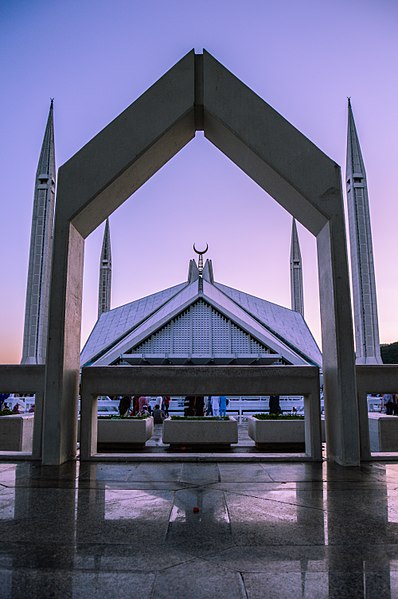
[117, 323]
[276, 329]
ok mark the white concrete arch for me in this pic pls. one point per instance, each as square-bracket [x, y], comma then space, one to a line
[198, 93]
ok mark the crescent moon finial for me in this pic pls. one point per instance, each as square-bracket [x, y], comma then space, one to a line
[200, 253]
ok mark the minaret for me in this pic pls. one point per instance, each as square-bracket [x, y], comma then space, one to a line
[105, 276]
[363, 277]
[296, 273]
[41, 241]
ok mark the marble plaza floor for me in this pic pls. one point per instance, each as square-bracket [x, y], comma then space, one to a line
[198, 530]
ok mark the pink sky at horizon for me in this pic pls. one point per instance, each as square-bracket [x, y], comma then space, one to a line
[95, 58]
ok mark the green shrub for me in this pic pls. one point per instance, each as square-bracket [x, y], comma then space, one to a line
[199, 418]
[143, 417]
[278, 416]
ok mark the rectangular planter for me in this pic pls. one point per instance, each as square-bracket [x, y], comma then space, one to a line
[200, 432]
[16, 432]
[123, 433]
[278, 434]
[383, 432]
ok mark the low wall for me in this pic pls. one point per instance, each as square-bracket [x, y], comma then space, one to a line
[200, 432]
[24, 379]
[123, 433]
[373, 379]
[16, 432]
[383, 432]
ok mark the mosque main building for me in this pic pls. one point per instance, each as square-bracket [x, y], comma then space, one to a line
[198, 322]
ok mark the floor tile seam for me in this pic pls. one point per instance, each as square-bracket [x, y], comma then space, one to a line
[41, 487]
[279, 501]
[228, 513]
[244, 592]
[136, 484]
[263, 466]
[289, 486]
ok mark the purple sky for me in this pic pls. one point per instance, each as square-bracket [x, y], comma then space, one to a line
[96, 57]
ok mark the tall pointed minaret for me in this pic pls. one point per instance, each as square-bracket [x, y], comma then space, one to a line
[362, 267]
[296, 273]
[105, 276]
[41, 242]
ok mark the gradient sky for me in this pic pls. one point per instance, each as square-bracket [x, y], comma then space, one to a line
[95, 57]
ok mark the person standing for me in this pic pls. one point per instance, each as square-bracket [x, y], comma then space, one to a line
[158, 414]
[388, 403]
[223, 405]
[199, 405]
[274, 405]
[142, 401]
[124, 406]
[215, 405]
[209, 409]
[166, 404]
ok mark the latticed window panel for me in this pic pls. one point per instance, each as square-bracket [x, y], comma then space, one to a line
[201, 329]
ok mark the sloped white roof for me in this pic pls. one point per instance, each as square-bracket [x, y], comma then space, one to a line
[134, 327]
[284, 323]
[116, 323]
[166, 312]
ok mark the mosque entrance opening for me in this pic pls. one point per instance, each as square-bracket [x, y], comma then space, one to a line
[199, 94]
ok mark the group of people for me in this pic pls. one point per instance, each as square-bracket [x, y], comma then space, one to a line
[194, 405]
[214, 405]
[5, 409]
[139, 405]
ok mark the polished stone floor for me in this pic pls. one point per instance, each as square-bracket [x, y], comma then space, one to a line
[198, 530]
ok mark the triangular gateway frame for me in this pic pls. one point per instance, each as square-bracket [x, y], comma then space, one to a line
[198, 93]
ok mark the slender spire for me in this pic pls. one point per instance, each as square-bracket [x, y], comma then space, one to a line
[362, 265]
[296, 273]
[41, 241]
[105, 275]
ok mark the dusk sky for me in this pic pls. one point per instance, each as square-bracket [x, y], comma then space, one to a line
[95, 57]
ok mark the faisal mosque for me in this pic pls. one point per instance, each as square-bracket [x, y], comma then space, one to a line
[201, 321]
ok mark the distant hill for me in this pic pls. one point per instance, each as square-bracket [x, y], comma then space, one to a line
[389, 353]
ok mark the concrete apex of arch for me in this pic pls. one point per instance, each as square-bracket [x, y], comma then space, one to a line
[198, 93]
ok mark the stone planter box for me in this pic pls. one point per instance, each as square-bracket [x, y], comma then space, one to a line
[201, 432]
[383, 432]
[16, 432]
[124, 433]
[279, 434]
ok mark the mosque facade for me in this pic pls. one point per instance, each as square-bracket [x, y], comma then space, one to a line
[201, 322]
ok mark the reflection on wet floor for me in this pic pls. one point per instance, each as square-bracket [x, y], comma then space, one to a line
[182, 530]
